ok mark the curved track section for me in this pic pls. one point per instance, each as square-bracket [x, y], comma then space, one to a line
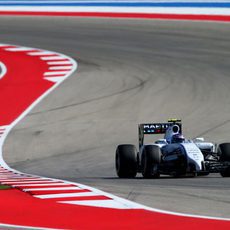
[32, 74]
[129, 72]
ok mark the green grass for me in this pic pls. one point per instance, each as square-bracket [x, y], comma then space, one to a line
[4, 187]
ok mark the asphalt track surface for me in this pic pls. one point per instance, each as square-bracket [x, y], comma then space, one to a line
[130, 71]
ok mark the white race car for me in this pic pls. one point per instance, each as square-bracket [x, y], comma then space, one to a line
[174, 155]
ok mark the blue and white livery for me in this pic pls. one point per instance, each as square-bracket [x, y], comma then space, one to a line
[173, 155]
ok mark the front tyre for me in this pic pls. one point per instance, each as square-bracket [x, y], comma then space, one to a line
[151, 159]
[126, 161]
[224, 150]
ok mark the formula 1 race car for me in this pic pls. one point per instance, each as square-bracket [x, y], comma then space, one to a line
[174, 155]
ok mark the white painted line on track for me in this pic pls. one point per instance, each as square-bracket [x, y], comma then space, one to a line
[3, 70]
[4, 45]
[40, 53]
[55, 73]
[59, 63]
[13, 180]
[60, 68]
[49, 58]
[66, 195]
[52, 189]
[98, 203]
[28, 182]
[146, 10]
[16, 178]
[35, 185]
[55, 79]
[16, 49]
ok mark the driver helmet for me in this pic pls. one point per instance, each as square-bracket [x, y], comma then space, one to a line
[178, 138]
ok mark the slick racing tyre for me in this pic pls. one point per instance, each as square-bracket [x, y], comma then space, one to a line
[151, 159]
[224, 151]
[126, 161]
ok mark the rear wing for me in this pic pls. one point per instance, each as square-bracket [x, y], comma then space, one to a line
[156, 128]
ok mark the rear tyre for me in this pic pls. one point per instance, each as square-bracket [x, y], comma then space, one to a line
[126, 161]
[151, 159]
[224, 150]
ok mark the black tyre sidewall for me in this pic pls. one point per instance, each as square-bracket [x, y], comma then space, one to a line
[126, 161]
[151, 156]
[224, 150]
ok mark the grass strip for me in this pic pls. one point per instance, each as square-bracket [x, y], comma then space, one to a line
[4, 187]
